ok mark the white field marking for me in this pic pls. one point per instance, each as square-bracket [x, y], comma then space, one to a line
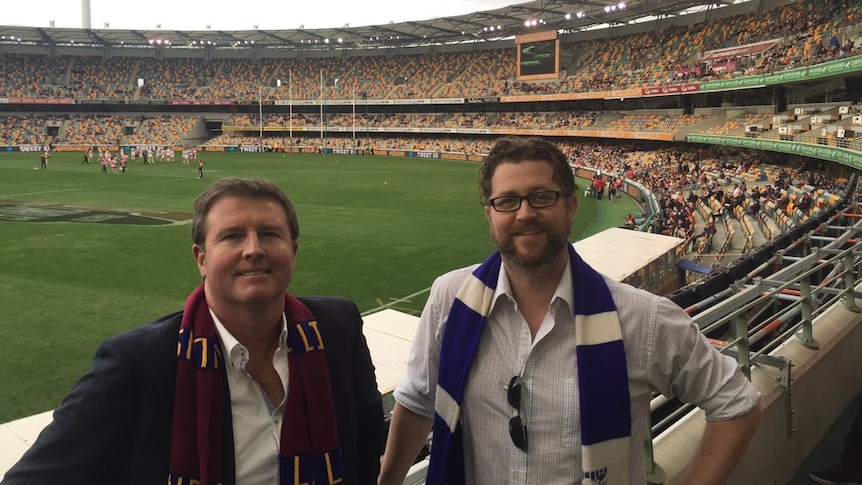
[395, 301]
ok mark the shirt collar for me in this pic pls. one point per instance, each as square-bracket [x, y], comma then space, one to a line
[564, 291]
[236, 352]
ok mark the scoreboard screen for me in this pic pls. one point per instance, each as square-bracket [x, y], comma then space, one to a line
[537, 58]
[538, 55]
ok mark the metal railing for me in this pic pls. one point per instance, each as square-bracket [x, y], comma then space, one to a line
[778, 301]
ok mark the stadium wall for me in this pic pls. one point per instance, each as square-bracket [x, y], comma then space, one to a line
[796, 414]
[197, 135]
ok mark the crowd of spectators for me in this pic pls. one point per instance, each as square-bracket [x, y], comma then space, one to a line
[804, 33]
[569, 120]
[95, 129]
[722, 179]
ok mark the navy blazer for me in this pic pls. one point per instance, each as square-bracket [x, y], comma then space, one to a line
[114, 427]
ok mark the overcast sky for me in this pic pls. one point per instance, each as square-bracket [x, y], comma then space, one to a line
[234, 14]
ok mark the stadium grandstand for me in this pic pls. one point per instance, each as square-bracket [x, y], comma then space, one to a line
[736, 125]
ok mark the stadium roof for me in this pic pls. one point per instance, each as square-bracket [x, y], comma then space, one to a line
[535, 16]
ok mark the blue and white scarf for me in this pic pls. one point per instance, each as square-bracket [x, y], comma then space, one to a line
[602, 377]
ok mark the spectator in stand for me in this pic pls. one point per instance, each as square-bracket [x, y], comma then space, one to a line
[804, 203]
[707, 235]
[753, 207]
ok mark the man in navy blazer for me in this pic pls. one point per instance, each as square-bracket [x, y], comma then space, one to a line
[116, 424]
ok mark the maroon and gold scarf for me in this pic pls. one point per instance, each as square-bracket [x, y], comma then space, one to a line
[309, 450]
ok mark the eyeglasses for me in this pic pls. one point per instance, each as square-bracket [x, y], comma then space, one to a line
[517, 428]
[537, 200]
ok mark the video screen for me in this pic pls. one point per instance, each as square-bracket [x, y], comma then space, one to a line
[537, 58]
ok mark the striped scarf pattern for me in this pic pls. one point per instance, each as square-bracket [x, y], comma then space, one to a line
[602, 377]
[309, 451]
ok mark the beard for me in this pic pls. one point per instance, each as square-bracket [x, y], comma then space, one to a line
[556, 243]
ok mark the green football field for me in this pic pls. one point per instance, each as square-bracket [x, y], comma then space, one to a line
[88, 255]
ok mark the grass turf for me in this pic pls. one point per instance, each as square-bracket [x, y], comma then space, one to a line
[373, 229]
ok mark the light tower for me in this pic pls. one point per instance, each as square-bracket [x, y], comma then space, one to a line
[85, 14]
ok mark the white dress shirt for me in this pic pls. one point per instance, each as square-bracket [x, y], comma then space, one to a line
[256, 420]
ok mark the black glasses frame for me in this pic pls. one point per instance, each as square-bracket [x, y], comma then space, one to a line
[517, 428]
[530, 198]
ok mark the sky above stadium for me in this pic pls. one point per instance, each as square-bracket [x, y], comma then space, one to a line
[234, 14]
